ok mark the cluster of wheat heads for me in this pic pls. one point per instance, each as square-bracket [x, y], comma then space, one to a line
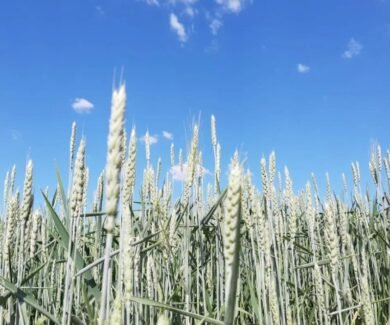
[137, 254]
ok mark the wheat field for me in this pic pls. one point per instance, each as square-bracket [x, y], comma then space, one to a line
[254, 252]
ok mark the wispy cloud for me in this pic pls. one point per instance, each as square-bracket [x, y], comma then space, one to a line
[178, 28]
[82, 105]
[153, 3]
[212, 47]
[353, 49]
[190, 11]
[234, 6]
[167, 135]
[16, 135]
[99, 10]
[215, 25]
[182, 16]
[301, 68]
[180, 172]
[153, 139]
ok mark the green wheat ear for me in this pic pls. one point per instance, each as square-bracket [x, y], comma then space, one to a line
[231, 236]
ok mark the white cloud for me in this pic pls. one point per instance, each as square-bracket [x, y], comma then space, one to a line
[353, 49]
[179, 173]
[183, 13]
[153, 139]
[234, 6]
[183, 2]
[190, 11]
[82, 105]
[301, 68]
[215, 25]
[152, 3]
[167, 135]
[178, 28]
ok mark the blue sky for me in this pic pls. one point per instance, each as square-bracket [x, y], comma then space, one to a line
[308, 79]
